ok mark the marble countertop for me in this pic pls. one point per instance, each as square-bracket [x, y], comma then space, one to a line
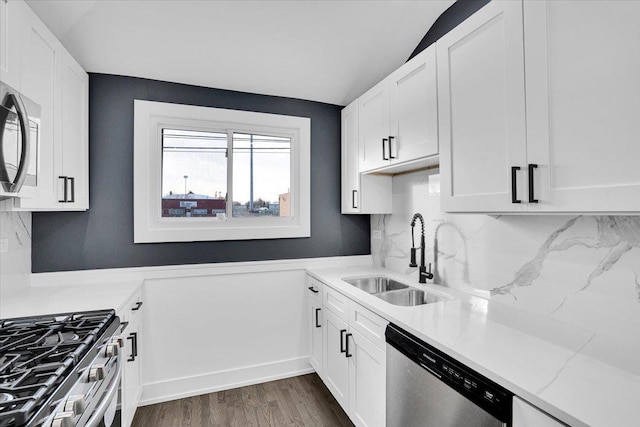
[52, 299]
[579, 377]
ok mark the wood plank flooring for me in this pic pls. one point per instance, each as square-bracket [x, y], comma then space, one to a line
[297, 401]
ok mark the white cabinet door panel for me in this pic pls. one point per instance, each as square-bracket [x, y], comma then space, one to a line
[583, 98]
[367, 382]
[335, 364]
[481, 110]
[414, 108]
[374, 127]
[526, 415]
[350, 160]
[11, 25]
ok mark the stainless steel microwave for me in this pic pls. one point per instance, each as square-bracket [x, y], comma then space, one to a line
[19, 141]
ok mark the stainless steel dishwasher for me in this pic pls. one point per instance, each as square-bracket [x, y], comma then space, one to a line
[427, 388]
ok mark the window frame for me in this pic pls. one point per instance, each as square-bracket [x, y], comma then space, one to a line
[151, 117]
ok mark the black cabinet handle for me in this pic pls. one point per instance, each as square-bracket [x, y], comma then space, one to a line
[317, 324]
[342, 332]
[123, 326]
[137, 307]
[532, 198]
[391, 156]
[65, 196]
[347, 349]
[133, 336]
[514, 184]
[354, 193]
[72, 180]
[384, 148]
[315, 291]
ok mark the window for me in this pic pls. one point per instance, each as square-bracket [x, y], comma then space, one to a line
[212, 174]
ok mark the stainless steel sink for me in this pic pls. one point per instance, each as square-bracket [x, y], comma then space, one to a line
[375, 284]
[410, 297]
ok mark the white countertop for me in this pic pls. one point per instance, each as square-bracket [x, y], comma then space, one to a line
[53, 299]
[579, 377]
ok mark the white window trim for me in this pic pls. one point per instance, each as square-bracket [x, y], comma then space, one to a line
[149, 227]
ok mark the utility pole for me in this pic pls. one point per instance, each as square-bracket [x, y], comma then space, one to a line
[251, 173]
[185, 186]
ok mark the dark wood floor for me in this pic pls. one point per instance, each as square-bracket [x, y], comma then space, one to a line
[298, 401]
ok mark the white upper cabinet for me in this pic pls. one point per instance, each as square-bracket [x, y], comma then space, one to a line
[10, 35]
[481, 103]
[583, 104]
[361, 194]
[55, 81]
[574, 148]
[413, 101]
[374, 127]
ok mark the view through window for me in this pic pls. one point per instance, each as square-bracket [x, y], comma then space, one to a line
[195, 174]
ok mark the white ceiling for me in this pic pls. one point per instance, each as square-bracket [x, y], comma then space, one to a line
[329, 51]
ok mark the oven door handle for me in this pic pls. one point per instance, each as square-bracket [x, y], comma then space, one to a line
[111, 393]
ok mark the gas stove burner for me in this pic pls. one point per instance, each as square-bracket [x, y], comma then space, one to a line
[61, 338]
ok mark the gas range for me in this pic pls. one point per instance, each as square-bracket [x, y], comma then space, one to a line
[58, 370]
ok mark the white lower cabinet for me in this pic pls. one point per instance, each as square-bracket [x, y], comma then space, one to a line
[367, 381]
[353, 358]
[526, 415]
[314, 315]
[130, 318]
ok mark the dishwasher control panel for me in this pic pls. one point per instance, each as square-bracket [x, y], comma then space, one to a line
[485, 393]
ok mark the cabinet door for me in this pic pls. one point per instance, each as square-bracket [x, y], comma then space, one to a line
[414, 108]
[350, 166]
[75, 134]
[583, 98]
[374, 127]
[481, 110]
[131, 371]
[367, 382]
[336, 365]
[526, 415]
[41, 82]
[11, 24]
[314, 316]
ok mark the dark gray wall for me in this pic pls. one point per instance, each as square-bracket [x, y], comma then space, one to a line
[450, 18]
[103, 236]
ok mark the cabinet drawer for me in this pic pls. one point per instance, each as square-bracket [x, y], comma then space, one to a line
[369, 324]
[335, 302]
[314, 288]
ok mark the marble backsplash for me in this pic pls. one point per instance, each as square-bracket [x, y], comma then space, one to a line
[581, 270]
[15, 264]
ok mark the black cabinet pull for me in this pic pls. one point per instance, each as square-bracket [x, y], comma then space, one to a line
[391, 156]
[313, 290]
[133, 336]
[123, 326]
[137, 307]
[514, 184]
[72, 180]
[347, 349]
[384, 148]
[317, 324]
[65, 196]
[342, 332]
[354, 193]
[532, 198]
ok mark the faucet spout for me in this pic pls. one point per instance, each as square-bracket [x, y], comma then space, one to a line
[423, 273]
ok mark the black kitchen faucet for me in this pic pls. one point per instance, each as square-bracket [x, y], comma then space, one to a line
[423, 273]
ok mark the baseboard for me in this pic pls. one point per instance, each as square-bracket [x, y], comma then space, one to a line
[180, 388]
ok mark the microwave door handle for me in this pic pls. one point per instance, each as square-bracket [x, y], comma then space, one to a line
[21, 175]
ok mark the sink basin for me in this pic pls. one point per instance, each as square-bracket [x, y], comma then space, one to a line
[375, 284]
[410, 297]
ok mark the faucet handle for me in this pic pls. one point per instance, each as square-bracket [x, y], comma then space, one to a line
[429, 274]
[413, 262]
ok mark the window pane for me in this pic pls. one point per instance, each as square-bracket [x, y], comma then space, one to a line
[261, 175]
[194, 173]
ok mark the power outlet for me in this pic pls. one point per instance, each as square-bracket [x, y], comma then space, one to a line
[4, 246]
[376, 234]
